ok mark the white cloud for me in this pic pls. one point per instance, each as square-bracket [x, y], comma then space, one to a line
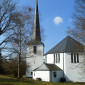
[57, 20]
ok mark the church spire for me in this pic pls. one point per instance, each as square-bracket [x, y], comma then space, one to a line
[36, 26]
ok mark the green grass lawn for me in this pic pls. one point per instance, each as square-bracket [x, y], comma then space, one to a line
[7, 80]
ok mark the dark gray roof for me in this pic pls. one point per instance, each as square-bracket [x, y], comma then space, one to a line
[32, 42]
[68, 44]
[36, 35]
[36, 26]
[48, 67]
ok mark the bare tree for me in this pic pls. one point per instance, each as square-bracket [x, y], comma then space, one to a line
[16, 25]
[79, 20]
[20, 35]
[79, 25]
[12, 64]
[6, 10]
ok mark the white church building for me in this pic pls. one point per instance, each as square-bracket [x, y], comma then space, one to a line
[62, 61]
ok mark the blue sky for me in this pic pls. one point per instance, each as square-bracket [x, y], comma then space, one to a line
[55, 18]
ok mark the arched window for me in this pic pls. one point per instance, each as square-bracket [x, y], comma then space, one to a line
[54, 74]
[57, 58]
[31, 73]
[77, 58]
[74, 58]
[71, 57]
[35, 49]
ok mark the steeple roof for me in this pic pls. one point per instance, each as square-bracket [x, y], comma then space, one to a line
[68, 44]
[36, 36]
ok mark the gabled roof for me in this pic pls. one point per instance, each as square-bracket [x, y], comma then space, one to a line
[68, 44]
[48, 67]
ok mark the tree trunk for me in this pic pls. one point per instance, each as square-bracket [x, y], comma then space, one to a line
[19, 59]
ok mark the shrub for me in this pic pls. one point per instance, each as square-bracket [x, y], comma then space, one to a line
[62, 79]
[38, 79]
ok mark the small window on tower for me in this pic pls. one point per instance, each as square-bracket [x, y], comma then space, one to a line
[35, 49]
[31, 73]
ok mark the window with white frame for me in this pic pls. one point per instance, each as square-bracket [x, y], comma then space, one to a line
[54, 58]
[45, 59]
[34, 74]
[74, 58]
[57, 58]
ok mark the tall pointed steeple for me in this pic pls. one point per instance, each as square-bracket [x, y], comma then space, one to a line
[36, 36]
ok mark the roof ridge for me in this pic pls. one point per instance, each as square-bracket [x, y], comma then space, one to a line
[46, 65]
[66, 45]
[66, 42]
[38, 67]
[54, 46]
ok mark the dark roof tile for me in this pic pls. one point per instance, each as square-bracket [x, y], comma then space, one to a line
[68, 44]
[48, 67]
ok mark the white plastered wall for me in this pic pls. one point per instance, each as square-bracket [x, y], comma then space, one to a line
[44, 75]
[34, 60]
[50, 59]
[59, 74]
[74, 71]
